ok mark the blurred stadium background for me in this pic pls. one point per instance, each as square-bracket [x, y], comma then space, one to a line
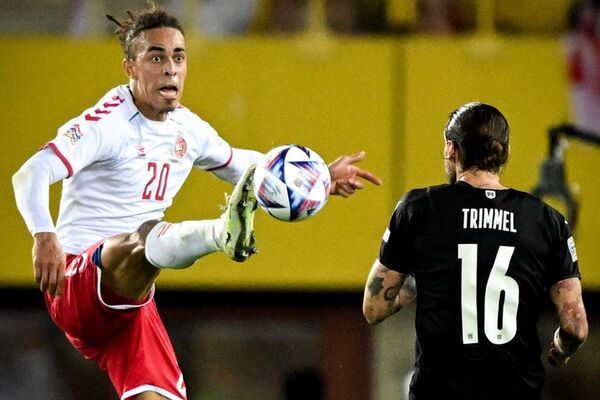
[338, 76]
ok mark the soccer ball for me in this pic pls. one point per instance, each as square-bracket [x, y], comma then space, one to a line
[292, 183]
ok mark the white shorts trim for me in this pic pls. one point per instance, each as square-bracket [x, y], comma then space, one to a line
[150, 388]
[121, 306]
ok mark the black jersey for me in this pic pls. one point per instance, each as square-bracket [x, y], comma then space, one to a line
[483, 261]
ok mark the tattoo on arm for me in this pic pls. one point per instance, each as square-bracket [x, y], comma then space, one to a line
[375, 286]
[571, 312]
[390, 293]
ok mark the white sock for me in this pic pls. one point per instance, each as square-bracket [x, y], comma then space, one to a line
[179, 245]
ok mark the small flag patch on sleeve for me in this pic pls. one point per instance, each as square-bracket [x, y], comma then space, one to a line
[572, 249]
[386, 235]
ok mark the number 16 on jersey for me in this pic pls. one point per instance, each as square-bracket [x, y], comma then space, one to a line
[501, 299]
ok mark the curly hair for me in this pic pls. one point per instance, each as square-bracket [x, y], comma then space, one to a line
[481, 133]
[135, 23]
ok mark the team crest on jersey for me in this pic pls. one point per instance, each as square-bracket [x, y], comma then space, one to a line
[572, 249]
[180, 147]
[74, 134]
[490, 194]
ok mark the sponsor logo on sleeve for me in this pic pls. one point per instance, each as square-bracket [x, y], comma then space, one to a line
[572, 249]
[74, 134]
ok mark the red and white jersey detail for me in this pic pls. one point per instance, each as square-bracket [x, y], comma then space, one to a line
[124, 168]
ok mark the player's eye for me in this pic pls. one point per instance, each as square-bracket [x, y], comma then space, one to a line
[179, 58]
[156, 59]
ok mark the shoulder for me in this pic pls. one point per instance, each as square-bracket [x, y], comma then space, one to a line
[114, 107]
[415, 202]
[111, 113]
[186, 117]
[535, 205]
[104, 125]
[195, 127]
[425, 195]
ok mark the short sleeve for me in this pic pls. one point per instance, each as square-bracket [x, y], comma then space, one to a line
[564, 261]
[215, 151]
[394, 248]
[79, 144]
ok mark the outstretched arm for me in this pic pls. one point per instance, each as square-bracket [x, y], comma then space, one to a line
[31, 185]
[386, 292]
[239, 162]
[346, 177]
[573, 329]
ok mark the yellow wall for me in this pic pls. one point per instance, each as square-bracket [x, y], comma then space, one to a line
[388, 97]
[540, 16]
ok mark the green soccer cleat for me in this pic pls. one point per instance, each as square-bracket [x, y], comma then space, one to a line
[238, 236]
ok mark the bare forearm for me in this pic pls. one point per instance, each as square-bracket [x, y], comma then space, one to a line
[573, 329]
[386, 292]
[571, 313]
[377, 309]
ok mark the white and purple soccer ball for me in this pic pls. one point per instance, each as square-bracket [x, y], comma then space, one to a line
[292, 183]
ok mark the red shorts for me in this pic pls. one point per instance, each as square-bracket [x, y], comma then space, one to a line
[127, 339]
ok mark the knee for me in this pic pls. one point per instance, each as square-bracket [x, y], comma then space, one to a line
[146, 227]
[137, 239]
[122, 250]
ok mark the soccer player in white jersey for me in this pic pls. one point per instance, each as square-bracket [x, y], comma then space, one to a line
[121, 162]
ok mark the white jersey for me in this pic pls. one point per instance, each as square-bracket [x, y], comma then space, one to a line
[125, 169]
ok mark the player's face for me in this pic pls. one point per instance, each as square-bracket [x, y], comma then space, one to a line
[158, 71]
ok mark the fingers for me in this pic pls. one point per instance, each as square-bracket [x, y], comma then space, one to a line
[344, 192]
[348, 187]
[354, 183]
[368, 176]
[44, 279]
[51, 277]
[37, 273]
[555, 358]
[55, 282]
[347, 177]
[48, 262]
[356, 157]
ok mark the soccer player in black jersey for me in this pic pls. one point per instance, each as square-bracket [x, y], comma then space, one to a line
[484, 259]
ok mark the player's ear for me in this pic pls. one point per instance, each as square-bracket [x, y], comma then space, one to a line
[449, 150]
[128, 67]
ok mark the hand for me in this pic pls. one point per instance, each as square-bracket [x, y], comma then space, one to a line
[48, 263]
[345, 175]
[555, 357]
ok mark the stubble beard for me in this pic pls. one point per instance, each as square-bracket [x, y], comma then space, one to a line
[450, 172]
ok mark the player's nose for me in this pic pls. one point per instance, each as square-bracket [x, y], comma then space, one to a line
[170, 68]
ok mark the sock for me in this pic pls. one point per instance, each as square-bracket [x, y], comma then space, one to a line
[179, 245]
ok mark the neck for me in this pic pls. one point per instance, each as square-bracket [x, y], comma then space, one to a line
[480, 179]
[146, 110]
